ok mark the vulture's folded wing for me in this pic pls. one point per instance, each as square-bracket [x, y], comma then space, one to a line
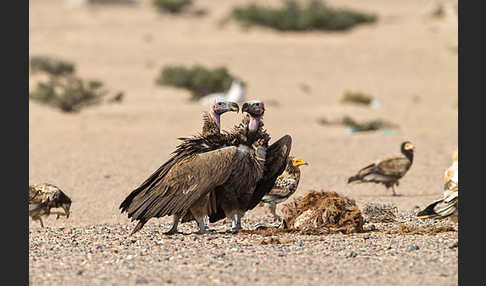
[156, 176]
[275, 163]
[186, 182]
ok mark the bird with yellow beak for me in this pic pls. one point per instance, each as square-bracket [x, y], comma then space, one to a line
[285, 185]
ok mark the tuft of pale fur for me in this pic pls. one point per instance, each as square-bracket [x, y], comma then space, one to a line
[326, 212]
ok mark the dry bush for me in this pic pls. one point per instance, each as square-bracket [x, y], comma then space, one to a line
[172, 6]
[69, 93]
[292, 16]
[356, 97]
[381, 213]
[422, 229]
[198, 79]
[51, 65]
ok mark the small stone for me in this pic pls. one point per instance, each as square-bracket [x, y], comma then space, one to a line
[141, 280]
[454, 245]
[413, 247]
[351, 254]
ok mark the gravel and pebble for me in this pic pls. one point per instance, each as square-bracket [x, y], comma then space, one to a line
[105, 254]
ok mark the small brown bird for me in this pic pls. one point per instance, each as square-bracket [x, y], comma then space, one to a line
[43, 197]
[388, 170]
[285, 185]
[448, 205]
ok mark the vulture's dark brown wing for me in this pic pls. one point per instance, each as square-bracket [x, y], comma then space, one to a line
[186, 182]
[275, 163]
[156, 176]
[186, 149]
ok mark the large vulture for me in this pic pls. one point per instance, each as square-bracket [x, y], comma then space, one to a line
[285, 185]
[210, 139]
[388, 170]
[43, 197]
[257, 171]
[448, 205]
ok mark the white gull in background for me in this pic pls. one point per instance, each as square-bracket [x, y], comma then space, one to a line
[236, 93]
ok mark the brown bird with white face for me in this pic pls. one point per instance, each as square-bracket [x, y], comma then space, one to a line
[387, 171]
[448, 205]
[43, 197]
[285, 185]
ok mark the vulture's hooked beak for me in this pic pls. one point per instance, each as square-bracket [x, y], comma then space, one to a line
[245, 107]
[234, 107]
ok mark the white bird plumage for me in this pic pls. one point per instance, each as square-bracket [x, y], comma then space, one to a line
[236, 93]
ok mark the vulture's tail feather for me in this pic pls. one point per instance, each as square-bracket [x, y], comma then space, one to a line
[429, 211]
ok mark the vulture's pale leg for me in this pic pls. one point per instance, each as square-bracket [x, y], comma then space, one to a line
[40, 220]
[58, 214]
[235, 226]
[203, 229]
[394, 193]
[273, 208]
[175, 223]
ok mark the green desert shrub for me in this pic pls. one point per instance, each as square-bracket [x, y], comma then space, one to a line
[199, 80]
[370, 125]
[356, 97]
[355, 126]
[69, 93]
[52, 66]
[172, 6]
[292, 16]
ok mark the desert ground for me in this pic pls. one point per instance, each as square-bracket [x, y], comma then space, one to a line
[407, 59]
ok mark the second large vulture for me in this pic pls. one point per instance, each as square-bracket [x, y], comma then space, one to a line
[258, 171]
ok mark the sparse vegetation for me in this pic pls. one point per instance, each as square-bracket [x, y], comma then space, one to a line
[112, 2]
[69, 93]
[292, 16]
[50, 65]
[382, 213]
[356, 97]
[63, 89]
[199, 80]
[172, 6]
[370, 125]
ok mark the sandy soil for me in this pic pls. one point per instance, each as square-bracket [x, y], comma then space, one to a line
[408, 60]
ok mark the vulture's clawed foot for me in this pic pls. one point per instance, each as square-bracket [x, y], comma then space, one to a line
[233, 230]
[206, 231]
[172, 232]
[261, 227]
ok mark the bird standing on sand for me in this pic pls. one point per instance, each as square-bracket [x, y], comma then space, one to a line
[140, 200]
[43, 197]
[285, 185]
[448, 205]
[387, 171]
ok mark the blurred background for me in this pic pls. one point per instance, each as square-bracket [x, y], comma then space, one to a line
[114, 83]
